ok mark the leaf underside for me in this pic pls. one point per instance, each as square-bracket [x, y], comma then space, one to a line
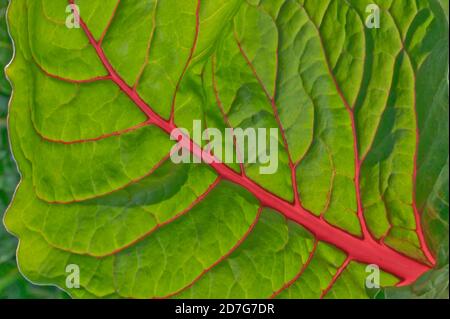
[363, 148]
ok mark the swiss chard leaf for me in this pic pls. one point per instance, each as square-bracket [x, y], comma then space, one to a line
[362, 115]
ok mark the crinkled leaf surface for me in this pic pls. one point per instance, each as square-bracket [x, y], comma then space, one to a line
[363, 148]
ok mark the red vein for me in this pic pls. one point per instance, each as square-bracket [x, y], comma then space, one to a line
[419, 230]
[311, 142]
[335, 277]
[358, 164]
[221, 259]
[299, 274]
[361, 250]
[329, 194]
[102, 37]
[266, 92]
[149, 45]
[93, 139]
[63, 79]
[133, 181]
[225, 116]
[191, 55]
[272, 101]
[389, 219]
[364, 156]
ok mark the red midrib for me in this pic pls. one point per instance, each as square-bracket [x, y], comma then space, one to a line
[360, 250]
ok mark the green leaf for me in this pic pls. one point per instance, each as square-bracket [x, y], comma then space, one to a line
[362, 150]
[12, 283]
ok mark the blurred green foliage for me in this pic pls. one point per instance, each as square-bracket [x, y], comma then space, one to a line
[445, 5]
[12, 283]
